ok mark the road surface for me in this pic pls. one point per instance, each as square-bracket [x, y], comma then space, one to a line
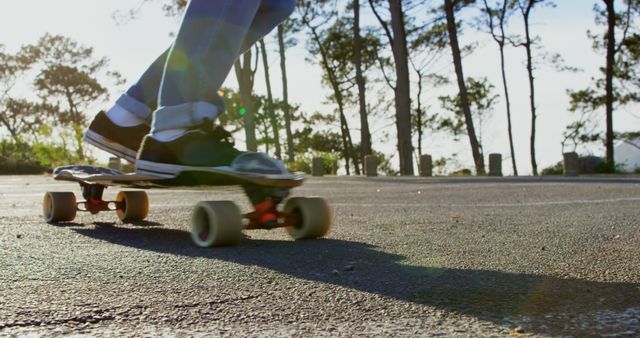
[406, 257]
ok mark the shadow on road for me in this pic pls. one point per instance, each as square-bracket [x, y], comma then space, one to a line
[549, 304]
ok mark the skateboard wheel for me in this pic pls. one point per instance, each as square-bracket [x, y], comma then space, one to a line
[59, 207]
[132, 206]
[216, 223]
[311, 216]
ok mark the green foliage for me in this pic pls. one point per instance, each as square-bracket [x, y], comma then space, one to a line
[67, 76]
[482, 100]
[554, 170]
[446, 165]
[304, 163]
[24, 158]
[48, 133]
[608, 168]
[337, 42]
[461, 173]
[384, 165]
[626, 72]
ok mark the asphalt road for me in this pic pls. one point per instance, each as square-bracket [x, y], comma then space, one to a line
[406, 257]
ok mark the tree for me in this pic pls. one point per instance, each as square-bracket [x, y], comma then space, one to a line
[619, 83]
[68, 79]
[464, 97]
[287, 27]
[22, 118]
[245, 74]
[526, 7]
[365, 134]
[495, 19]
[317, 46]
[269, 106]
[397, 36]
[428, 46]
[15, 118]
[481, 101]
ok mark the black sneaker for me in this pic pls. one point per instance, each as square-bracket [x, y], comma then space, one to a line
[202, 147]
[120, 141]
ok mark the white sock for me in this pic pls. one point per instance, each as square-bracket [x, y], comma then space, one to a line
[168, 135]
[123, 117]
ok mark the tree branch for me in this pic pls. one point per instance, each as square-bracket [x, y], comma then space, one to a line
[384, 24]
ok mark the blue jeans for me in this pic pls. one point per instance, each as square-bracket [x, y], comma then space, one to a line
[180, 89]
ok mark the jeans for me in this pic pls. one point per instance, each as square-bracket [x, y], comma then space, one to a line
[180, 89]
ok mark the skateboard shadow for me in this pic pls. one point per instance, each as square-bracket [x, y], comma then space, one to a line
[540, 304]
[144, 224]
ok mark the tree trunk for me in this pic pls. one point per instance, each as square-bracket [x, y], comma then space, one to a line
[269, 108]
[419, 113]
[365, 135]
[527, 45]
[501, 43]
[286, 110]
[508, 103]
[611, 54]
[245, 76]
[403, 88]
[464, 98]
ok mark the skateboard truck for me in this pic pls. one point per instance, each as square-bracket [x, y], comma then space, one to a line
[94, 203]
[266, 216]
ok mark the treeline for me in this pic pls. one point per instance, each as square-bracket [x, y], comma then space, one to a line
[369, 70]
[44, 128]
[404, 51]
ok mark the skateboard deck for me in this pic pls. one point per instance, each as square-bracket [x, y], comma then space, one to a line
[205, 177]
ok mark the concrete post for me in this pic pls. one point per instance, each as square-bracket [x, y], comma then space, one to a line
[426, 166]
[115, 163]
[371, 165]
[495, 164]
[571, 164]
[317, 166]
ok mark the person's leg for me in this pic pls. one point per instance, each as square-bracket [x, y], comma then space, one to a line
[120, 129]
[270, 14]
[206, 47]
[212, 36]
[142, 97]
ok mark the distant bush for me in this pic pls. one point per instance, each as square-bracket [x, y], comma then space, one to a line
[553, 170]
[300, 165]
[606, 168]
[463, 172]
[19, 158]
[304, 164]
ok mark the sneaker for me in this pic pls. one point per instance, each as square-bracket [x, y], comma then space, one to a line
[123, 142]
[204, 146]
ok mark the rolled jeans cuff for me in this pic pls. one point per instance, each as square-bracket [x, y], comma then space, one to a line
[183, 115]
[134, 106]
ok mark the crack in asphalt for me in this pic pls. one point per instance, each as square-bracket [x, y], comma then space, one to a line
[215, 302]
[131, 313]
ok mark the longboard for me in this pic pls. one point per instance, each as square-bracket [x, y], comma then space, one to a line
[202, 177]
[213, 223]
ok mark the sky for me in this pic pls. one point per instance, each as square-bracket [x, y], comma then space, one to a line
[133, 45]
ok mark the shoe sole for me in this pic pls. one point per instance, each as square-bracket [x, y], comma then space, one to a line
[110, 146]
[161, 170]
[171, 171]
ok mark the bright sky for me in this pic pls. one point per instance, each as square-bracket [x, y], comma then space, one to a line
[132, 46]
